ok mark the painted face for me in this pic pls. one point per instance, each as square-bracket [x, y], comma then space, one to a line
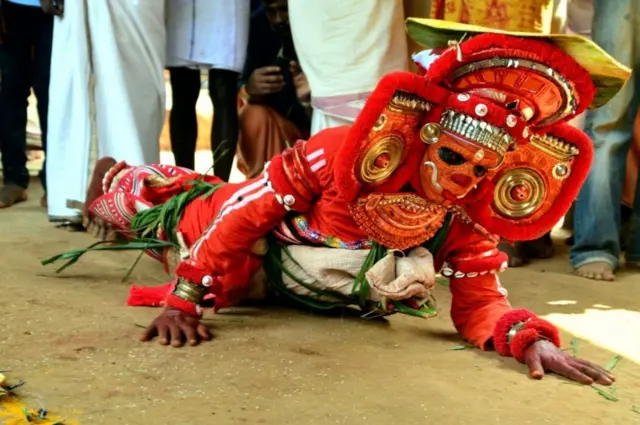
[452, 166]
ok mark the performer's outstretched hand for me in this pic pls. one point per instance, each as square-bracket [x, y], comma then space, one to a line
[174, 327]
[543, 356]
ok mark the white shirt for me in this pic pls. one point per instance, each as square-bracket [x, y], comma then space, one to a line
[210, 33]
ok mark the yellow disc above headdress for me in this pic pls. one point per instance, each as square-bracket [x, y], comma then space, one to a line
[608, 75]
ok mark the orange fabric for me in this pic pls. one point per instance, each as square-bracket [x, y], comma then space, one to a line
[263, 134]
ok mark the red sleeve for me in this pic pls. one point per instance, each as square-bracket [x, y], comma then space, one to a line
[222, 257]
[472, 261]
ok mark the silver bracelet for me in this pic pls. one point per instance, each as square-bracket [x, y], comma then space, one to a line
[514, 330]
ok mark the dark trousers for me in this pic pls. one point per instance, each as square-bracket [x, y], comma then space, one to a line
[25, 59]
[183, 124]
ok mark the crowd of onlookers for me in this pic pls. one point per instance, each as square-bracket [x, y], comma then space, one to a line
[276, 71]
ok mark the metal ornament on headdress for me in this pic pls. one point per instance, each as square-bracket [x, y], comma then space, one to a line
[475, 130]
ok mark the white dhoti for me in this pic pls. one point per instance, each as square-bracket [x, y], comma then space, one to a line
[344, 49]
[211, 33]
[107, 64]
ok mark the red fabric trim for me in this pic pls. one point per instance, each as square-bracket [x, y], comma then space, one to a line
[184, 306]
[546, 329]
[477, 265]
[192, 273]
[534, 330]
[523, 340]
[282, 186]
[492, 45]
[148, 296]
[299, 175]
[503, 326]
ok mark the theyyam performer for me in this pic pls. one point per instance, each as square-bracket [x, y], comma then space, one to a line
[436, 168]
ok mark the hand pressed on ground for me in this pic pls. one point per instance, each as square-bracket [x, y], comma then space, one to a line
[544, 356]
[175, 328]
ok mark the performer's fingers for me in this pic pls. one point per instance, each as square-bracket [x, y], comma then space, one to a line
[535, 365]
[176, 335]
[163, 333]
[149, 333]
[572, 373]
[597, 367]
[204, 332]
[598, 376]
[190, 333]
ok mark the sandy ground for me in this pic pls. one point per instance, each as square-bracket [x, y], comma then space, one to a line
[74, 341]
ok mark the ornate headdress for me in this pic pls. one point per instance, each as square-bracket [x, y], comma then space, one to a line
[508, 93]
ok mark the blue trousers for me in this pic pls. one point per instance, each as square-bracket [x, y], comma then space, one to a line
[616, 28]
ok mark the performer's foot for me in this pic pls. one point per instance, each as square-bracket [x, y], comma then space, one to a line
[12, 194]
[598, 270]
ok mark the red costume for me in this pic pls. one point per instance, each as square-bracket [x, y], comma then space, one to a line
[474, 149]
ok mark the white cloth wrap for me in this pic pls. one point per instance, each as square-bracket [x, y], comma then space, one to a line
[333, 269]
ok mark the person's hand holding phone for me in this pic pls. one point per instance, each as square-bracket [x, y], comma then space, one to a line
[303, 90]
[52, 7]
[264, 81]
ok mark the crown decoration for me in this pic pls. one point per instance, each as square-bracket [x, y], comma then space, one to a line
[557, 148]
[568, 92]
[477, 131]
[408, 102]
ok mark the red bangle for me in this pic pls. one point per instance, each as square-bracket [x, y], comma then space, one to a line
[503, 327]
[533, 329]
[523, 340]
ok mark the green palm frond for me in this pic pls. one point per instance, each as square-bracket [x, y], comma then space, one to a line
[73, 256]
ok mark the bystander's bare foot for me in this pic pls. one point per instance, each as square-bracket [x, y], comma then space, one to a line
[633, 265]
[599, 270]
[94, 191]
[43, 201]
[95, 186]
